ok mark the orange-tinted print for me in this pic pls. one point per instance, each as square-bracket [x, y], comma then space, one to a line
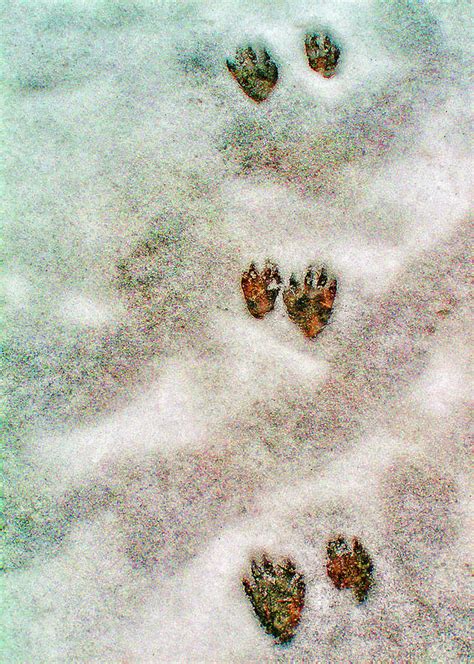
[261, 289]
[350, 568]
[310, 305]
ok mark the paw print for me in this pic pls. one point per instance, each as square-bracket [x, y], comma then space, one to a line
[261, 289]
[350, 569]
[310, 306]
[322, 54]
[277, 594]
[254, 71]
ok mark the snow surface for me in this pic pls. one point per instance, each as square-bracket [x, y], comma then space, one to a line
[157, 439]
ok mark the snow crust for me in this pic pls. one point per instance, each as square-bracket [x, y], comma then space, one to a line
[156, 442]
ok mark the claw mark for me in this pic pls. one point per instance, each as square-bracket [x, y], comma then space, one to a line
[322, 54]
[309, 278]
[310, 306]
[323, 279]
[254, 71]
[261, 289]
[350, 569]
[276, 593]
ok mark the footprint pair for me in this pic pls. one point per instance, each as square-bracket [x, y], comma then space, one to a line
[277, 590]
[257, 74]
[309, 305]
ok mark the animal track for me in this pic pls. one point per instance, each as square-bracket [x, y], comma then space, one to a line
[350, 569]
[277, 595]
[310, 306]
[261, 289]
[322, 54]
[254, 71]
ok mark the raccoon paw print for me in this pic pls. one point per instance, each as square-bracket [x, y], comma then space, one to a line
[350, 569]
[322, 54]
[309, 305]
[276, 593]
[254, 71]
[261, 289]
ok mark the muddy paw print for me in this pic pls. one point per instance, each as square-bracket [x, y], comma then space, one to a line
[261, 289]
[277, 594]
[309, 305]
[322, 54]
[254, 71]
[350, 568]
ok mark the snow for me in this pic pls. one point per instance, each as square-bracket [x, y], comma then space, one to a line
[158, 436]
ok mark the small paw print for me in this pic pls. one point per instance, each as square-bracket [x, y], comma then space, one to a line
[261, 289]
[350, 569]
[277, 593]
[322, 54]
[254, 71]
[309, 305]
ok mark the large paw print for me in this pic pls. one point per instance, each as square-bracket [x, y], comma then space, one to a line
[277, 594]
[309, 305]
[322, 54]
[261, 289]
[254, 71]
[350, 569]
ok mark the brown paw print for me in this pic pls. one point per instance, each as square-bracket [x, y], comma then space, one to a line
[309, 305]
[261, 289]
[350, 569]
[277, 594]
[254, 71]
[322, 54]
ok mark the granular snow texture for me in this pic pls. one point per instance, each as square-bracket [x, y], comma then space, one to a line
[158, 436]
